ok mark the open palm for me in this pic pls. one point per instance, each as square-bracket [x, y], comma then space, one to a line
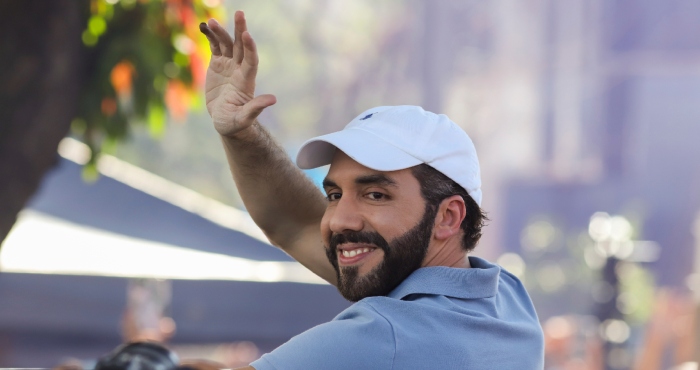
[230, 83]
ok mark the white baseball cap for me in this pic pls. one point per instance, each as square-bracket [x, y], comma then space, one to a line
[395, 138]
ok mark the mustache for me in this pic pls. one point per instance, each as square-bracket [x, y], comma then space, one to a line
[363, 237]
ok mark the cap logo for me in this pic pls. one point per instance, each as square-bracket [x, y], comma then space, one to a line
[366, 117]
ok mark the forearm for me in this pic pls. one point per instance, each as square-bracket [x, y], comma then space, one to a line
[282, 201]
[276, 193]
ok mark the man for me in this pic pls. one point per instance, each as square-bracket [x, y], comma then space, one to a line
[400, 214]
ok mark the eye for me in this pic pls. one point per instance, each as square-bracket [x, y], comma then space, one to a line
[333, 196]
[376, 195]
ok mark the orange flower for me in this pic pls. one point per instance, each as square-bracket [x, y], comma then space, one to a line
[177, 100]
[121, 78]
[199, 70]
[187, 16]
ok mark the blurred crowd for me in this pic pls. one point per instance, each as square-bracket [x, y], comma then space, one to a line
[668, 340]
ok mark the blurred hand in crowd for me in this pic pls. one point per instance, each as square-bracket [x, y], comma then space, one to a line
[671, 327]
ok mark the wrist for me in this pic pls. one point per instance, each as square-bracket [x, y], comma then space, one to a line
[247, 134]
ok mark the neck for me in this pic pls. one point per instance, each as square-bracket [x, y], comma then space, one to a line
[448, 254]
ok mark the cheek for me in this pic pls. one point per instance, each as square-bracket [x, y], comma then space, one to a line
[392, 222]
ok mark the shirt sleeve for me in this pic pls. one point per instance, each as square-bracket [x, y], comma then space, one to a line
[359, 338]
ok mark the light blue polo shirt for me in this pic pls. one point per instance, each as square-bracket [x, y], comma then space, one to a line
[438, 318]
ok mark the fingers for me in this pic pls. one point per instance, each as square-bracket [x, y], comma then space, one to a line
[213, 40]
[249, 66]
[239, 28]
[252, 109]
[225, 40]
[220, 41]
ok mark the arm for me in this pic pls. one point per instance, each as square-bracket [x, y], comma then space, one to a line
[281, 200]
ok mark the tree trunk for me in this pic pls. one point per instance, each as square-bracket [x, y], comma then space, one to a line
[40, 82]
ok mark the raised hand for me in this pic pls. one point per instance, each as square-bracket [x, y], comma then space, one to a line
[285, 204]
[230, 83]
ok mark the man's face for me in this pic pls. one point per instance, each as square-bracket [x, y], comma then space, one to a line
[375, 229]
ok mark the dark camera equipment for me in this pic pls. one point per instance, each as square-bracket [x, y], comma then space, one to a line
[140, 356]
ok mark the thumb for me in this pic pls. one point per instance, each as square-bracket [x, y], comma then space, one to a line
[252, 109]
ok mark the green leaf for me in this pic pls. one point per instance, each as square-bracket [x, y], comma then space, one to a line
[89, 39]
[181, 60]
[90, 173]
[97, 25]
[156, 120]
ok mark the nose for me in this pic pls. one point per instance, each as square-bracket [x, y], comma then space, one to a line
[346, 216]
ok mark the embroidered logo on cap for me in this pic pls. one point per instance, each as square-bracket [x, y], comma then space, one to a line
[366, 117]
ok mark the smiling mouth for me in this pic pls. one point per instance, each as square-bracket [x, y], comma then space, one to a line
[348, 256]
[355, 252]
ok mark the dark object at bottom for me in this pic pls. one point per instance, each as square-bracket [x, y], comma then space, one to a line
[140, 356]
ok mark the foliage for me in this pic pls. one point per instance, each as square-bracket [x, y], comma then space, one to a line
[304, 64]
[146, 59]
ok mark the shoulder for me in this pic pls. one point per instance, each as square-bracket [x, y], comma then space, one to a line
[510, 288]
[370, 308]
[359, 337]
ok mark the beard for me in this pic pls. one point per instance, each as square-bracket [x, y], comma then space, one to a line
[402, 257]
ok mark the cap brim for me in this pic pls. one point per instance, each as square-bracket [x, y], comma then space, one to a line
[363, 147]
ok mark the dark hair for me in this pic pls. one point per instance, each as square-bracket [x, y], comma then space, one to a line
[435, 187]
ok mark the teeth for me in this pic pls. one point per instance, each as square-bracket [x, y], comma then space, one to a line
[355, 252]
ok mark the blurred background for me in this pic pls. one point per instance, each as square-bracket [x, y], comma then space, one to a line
[585, 115]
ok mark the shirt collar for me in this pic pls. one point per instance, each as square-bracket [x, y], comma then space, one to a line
[479, 281]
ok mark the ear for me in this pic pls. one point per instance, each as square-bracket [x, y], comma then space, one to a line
[450, 214]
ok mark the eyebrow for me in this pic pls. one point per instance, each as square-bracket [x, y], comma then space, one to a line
[329, 184]
[377, 179]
